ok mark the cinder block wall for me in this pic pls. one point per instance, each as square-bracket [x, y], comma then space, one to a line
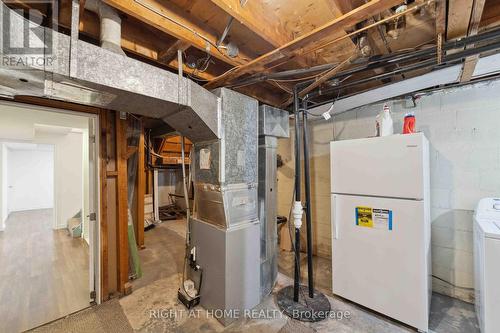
[463, 127]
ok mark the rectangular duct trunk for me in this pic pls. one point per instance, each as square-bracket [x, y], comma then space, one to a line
[273, 124]
[225, 228]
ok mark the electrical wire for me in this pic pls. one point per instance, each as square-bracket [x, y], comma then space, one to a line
[188, 227]
[202, 64]
[302, 78]
[281, 87]
[197, 34]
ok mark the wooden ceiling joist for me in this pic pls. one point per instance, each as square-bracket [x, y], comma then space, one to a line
[470, 62]
[169, 54]
[254, 16]
[441, 17]
[303, 43]
[459, 14]
[174, 21]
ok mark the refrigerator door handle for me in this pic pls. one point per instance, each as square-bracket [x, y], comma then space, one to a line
[334, 219]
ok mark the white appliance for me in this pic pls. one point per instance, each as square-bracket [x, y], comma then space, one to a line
[381, 225]
[487, 264]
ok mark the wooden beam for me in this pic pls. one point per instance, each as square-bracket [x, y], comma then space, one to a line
[470, 62]
[477, 14]
[262, 22]
[459, 14]
[468, 68]
[339, 7]
[169, 54]
[254, 16]
[122, 203]
[305, 42]
[141, 191]
[322, 79]
[172, 20]
[441, 17]
[491, 15]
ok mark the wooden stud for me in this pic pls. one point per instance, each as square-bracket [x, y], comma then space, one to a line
[103, 160]
[122, 202]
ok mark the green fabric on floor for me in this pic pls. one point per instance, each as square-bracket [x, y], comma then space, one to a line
[134, 253]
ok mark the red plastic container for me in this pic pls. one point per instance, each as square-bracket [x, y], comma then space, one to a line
[409, 124]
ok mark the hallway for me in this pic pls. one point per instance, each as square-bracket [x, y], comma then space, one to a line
[44, 273]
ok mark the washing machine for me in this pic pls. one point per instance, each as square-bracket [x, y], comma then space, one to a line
[487, 264]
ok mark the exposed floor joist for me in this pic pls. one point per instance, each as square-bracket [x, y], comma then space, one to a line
[302, 43]
[254, 16]
[470, 62]
[459, 13]
[172, 21]
[170, 53]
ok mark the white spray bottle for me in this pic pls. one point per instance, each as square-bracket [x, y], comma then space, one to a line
[386, 123]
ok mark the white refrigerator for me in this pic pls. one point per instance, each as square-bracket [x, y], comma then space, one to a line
[381, 225]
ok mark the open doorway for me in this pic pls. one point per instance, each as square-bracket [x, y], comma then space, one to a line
[48, 243]
[165, 208]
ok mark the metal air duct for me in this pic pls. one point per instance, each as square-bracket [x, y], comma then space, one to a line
[111, 25]
[78, 72]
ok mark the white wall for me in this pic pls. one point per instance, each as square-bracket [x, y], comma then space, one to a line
[68, 170]
[3, 185]
[462, 125]
[22, 123]
[30, 179]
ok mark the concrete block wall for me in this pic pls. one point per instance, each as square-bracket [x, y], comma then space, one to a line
[462, 125]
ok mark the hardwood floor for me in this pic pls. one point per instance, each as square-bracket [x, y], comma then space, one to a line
[44, 273]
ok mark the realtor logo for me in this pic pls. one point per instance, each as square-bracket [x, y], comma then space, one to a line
[27, 32]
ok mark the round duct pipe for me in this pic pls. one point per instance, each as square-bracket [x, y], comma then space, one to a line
[111, 25]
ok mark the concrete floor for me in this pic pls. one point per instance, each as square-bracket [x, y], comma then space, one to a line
[447, 314]
[153, 305]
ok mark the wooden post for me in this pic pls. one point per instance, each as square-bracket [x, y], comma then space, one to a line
[122, 204]
[103, 154]
[141, 191]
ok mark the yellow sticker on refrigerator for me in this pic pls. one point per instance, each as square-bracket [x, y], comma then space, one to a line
[364, 217]
[377, 218]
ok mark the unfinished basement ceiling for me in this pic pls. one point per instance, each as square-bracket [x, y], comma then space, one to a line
[153, 31]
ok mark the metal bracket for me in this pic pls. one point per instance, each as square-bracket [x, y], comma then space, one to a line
[439, 49]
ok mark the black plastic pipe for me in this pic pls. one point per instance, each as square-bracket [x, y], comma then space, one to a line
[377, 61]
[447, 61]
[296, 280]
[310, 276]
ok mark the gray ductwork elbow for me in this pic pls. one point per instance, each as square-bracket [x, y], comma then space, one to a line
[111, 25]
